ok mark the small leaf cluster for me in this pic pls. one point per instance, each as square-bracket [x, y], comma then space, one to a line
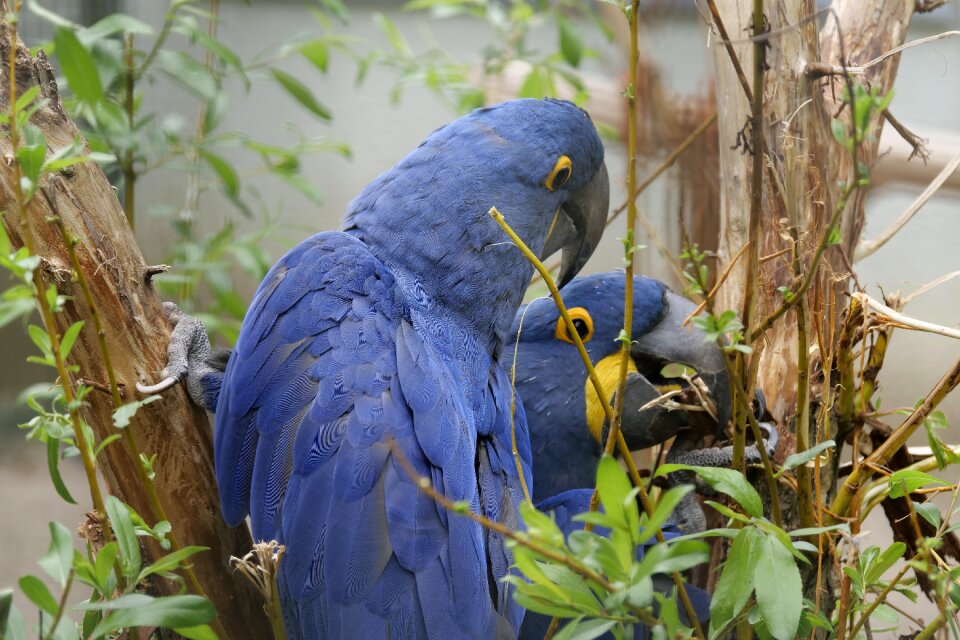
[725, 329]
[512, 23]
[111, 606]
[760, 579]
[605, 581]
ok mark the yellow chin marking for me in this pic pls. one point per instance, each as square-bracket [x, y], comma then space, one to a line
[608, 370]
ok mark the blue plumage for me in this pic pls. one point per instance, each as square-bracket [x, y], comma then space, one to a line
[551, 377]
[389, 334]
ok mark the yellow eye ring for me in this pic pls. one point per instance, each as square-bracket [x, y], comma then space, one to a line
[582, 322]
[560, 174]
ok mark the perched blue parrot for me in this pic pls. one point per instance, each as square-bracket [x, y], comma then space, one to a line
[389, 334]
[566, 420]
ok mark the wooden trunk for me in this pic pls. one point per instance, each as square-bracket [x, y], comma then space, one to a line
[173, 429]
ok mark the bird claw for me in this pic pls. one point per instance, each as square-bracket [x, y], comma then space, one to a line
[187, 352]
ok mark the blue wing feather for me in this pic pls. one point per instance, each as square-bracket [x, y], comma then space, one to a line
[331, 367]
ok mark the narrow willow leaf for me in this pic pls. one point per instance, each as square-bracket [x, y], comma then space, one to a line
[122, 524]
[59, 557]
[6, 603]
[53, 468]
[906, 481]
[779, 589]
[727, 481]
[124, 414]
[138, 610]
[38, 593]
[77, 66]
[736, 580]
[170, 561]
[301, 93]
[69, 338]
[571, 47]
[804, 457]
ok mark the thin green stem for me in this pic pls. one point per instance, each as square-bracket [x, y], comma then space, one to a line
[61, 606]
[46, 313]
[627, 331]
[129, 171]
[604, 402]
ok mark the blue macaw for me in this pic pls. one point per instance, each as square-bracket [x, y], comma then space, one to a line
[558, 394]
[566, 421]
[390, 334]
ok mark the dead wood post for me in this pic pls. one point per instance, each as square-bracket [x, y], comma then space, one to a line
[173, 429]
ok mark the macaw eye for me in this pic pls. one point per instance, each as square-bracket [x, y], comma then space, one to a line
[560, 174]
[582, 322]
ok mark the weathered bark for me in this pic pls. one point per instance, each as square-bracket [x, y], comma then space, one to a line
[808, 163]
[807, 159]
[136, 333]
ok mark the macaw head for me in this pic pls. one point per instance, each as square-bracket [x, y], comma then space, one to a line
[565, 417]
[539, 162]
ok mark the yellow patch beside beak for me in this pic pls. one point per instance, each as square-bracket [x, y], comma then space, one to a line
[608, 370]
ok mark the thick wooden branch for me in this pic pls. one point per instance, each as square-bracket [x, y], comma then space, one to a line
[173, 428]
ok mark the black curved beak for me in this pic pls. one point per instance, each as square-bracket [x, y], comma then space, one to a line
[670, 341]
[579, 225]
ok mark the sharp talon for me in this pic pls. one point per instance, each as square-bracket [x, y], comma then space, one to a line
[160, 387]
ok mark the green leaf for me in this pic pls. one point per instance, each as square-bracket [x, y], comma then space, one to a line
[53, 467]
[540, 525]
[59, 557]
[300, 93]
[113, 24]
[122, 524]
[78, 66]
[40, 338]
[585, 629]
[189, 74]
[139, 610]
[571, 47]
[14, 629]
[665, 507]
[316, 53]
[929, 512]
[201, 632]
[38, 593]
[125, 413]
[170, 562]
[6, 603]
[804, 457]
[69, 338]
[225, 171]
[736, 580]
[779, 588]
[396, 40]
[103, 568]
[727, 481]
[879, 564]
[906, 481]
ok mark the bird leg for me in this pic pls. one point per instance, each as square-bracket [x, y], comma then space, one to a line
[190, 358]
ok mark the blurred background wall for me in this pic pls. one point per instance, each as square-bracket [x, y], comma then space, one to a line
[675, 42]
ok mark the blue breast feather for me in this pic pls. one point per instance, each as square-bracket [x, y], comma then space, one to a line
[331, 367]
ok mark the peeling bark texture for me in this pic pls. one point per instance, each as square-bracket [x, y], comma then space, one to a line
[806, 159]
[802, 169]
[173, 428]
